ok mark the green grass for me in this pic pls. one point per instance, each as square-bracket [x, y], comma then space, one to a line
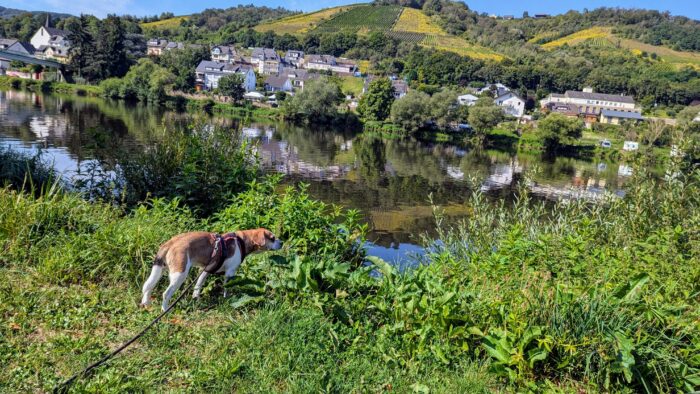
[352, 85]
[564, 297]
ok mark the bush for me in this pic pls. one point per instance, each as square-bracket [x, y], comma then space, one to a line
[112, 87]
[25, 172]
[203, 166]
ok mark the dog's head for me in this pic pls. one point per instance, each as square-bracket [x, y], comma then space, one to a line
[262, 239]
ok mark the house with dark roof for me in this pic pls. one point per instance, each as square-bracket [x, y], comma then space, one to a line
[7, 42]
[400, 86]
[299, 77]
[156, 46]
[568, 110]
[21, 47]
[225, 54]
[266, 60]
[609, 116]
[294, 58]
[278, 83]
[208, 74]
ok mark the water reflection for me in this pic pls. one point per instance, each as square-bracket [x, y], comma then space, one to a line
[389, 180]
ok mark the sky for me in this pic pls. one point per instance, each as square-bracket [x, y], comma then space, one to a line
[689, 8]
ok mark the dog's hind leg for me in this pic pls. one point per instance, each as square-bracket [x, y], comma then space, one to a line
[150, 284]
[176, 280]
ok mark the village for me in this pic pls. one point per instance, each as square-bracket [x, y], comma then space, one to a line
[266, 71]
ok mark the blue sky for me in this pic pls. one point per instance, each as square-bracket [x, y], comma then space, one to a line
[690, 8]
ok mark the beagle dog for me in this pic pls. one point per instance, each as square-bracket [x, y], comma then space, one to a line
[216, 254]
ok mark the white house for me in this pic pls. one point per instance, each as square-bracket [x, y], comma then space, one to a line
[49, 37]
[467, 99]
[208, 74]
[511, 104]
[590, 103]
[330, 63]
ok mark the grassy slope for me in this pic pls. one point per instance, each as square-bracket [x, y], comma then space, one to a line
[603, 36]
[205, 346]
[300, 24]
[404, 24]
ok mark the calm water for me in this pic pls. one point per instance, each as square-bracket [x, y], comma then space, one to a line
[390, 181]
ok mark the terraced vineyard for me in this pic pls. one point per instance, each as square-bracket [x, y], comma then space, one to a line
[406, 36]
[300, 24]
[415, 21]
[460, 47]
[363, 19]
[579, 36]
[603, 37]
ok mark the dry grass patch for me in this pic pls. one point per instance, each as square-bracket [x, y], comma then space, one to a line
[413, 20]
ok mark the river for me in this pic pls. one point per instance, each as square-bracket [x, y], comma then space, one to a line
[391, 181]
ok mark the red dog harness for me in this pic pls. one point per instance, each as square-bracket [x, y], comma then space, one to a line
[222, 245]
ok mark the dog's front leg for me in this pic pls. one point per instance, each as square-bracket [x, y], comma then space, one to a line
[200, 283]
[230, 273]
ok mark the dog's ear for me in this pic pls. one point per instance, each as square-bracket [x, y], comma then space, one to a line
[259, 239]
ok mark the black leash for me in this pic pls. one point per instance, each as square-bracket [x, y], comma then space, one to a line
[61, 388]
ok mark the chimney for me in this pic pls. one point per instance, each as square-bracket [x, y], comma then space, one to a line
[48, 19]
[588, 89]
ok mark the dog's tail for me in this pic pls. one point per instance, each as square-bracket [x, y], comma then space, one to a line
[159, 259]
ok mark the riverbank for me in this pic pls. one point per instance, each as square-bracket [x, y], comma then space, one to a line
[204, 104]
[577, 297]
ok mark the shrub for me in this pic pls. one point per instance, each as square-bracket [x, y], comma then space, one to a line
[24, 171]
[202, 166]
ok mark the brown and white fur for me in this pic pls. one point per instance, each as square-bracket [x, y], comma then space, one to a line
[183, 251]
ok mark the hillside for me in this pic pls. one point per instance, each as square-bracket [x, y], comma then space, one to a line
[300, 24]
[10, 12]
[401, 23]
[604, 37]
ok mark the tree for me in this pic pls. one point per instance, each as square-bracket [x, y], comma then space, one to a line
[145, 81]
[232, 86]
[110, 58]
[375, 104]
[445, 110]
[484, 116]
[412, 111]
[81, 49]
[182, 63]
[557, 130]
[280, 96]
[318, 102]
